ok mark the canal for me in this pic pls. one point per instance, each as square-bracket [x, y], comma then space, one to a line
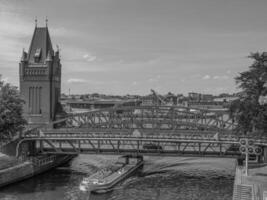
[162, 178]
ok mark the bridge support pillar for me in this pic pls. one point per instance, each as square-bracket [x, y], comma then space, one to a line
[32, 148]
[27, 149]
[41, 145]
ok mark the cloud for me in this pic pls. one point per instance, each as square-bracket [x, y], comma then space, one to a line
[154, 79]
[90, 82]
[224, 77]
[4, 79]
[85, 56]
[206, 77]
[89, 57]
[76, 80]
[134, 83]
[13, 31]
[63, 32]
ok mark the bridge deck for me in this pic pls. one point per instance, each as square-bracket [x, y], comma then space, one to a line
[115, 144]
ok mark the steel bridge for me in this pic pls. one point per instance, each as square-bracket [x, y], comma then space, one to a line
[185, 143]
[151, 117]
[152, 130]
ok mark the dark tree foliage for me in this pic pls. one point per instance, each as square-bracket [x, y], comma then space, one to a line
[11, 120]
[247, 111]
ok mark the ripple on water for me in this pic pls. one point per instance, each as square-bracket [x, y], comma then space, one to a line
[176, 185]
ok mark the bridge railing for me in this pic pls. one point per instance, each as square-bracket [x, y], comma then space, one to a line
[148, 138]
[42, 161]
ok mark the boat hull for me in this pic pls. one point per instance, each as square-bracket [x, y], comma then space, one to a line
[100, 189]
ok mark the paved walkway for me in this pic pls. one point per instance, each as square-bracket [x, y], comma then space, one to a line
[255, 184]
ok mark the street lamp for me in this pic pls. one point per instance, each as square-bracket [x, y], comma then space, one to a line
[247, 147]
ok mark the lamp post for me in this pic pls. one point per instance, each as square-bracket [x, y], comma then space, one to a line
[247, 147]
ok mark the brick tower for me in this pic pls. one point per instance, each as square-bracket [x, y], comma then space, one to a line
[40, 79]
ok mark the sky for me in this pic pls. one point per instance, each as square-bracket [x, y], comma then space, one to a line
[130, 46]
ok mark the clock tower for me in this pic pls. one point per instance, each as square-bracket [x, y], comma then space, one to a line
[40, 79]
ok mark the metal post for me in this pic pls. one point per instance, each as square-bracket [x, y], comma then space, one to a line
[118, 146]
[246, 167]
[98, 145]
[264, 155]
[79, 145]
[41, 146]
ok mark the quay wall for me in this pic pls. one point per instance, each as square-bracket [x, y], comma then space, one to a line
[16, 173]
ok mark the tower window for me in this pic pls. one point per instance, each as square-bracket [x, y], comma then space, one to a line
[37, 55]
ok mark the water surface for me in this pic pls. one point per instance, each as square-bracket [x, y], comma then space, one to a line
[162, 178]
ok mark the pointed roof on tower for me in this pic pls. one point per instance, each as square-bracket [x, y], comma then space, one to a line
[40, 45]
[23, 56]
[49, 57]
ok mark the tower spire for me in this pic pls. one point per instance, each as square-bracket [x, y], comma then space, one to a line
[46, 21]
[35, 21]
[23, 56]
[49, 57]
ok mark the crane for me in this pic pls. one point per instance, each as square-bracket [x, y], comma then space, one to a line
[158, 97]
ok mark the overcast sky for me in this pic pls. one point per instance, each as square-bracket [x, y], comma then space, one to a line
[131, 46]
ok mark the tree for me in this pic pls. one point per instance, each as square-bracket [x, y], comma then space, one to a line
[247, 111]
[11, 120]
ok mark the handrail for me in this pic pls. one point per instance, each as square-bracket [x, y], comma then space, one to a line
[40, 162]
[89, 135]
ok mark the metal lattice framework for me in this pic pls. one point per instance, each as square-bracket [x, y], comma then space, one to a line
[122, 142]
[116, 144]
[150, 117]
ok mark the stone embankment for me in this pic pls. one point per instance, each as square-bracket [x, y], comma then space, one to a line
[12, 169]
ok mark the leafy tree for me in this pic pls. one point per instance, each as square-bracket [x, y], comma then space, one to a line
[247, 111]
[11, 120]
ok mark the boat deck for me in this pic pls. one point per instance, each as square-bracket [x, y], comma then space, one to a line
[104, 181]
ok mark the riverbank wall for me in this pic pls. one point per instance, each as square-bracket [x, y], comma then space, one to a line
[16, 173]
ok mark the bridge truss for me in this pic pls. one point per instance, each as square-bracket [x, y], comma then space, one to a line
[88, 144]
[150, 117]
[153, 130]
[114, 141]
